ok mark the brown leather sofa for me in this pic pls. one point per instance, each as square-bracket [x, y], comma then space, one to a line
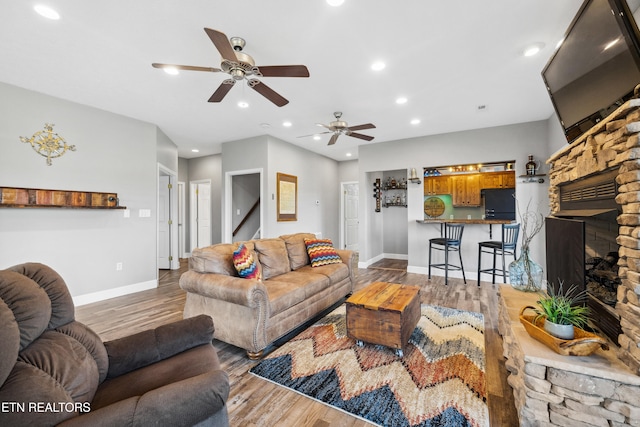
[251, 313]
[56, 371]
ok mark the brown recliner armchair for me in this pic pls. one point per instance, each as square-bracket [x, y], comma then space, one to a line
[56, 371]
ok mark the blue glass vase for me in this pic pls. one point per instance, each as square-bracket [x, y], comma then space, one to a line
[525, 274]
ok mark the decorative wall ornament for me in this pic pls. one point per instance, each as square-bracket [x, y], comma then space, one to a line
[48, 144]
[287, 187]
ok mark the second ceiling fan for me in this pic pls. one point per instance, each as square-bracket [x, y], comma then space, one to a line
[241, 66]
[340, 127]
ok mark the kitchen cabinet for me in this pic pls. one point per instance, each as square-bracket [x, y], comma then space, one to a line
[503, 179]
[466, 190]
[437, 185]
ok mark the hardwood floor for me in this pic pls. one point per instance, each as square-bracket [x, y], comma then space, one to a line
[255, 402]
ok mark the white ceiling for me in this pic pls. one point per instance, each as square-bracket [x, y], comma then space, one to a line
[446, 57]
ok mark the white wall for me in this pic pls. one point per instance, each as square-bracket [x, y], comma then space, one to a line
[114, 154]
[317, 181]
[513, 142]
[318, 191]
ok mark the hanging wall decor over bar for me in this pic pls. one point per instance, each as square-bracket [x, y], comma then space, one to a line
[14, 197]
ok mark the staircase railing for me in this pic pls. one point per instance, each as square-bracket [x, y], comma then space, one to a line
[246, 217]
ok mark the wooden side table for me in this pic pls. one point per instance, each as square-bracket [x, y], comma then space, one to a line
[383, 313]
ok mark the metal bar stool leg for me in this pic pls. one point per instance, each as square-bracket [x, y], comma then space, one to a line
[493, 273]
[446, 263]
[479, 262]
[429, 276]
[461, 265]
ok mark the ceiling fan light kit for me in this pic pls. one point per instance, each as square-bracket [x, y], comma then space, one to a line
[241, 66]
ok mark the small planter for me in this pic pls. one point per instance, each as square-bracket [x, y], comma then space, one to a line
[564, 332]
[583, 344]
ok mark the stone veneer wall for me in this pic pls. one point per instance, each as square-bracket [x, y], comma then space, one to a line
[614, 142]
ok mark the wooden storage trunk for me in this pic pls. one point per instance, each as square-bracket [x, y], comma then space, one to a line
[383, 313]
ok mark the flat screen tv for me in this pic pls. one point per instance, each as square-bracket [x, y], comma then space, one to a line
[597, 66]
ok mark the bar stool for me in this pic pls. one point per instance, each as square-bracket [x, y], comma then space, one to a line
[506, 246]
[449, 241]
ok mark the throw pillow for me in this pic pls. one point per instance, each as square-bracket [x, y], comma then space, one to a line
[321, 252]
[245, 264]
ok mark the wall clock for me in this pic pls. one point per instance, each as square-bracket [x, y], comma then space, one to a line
[433, 207]
[48, 143]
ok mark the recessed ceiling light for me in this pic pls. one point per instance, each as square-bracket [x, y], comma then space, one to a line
[46, 11]
[534, 49]
[171, 71]
[348, 154]
[335, 2]
[415, 121]
[378, 65]
[401, 100]
[243, 104]
[316, 137]
[286, 124]
[195, 150]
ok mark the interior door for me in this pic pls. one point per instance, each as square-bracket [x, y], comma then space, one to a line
[181, 219]
[351, 216]
[164, 232]
[203, 216]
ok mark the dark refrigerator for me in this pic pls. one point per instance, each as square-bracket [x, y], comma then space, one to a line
[500, 203]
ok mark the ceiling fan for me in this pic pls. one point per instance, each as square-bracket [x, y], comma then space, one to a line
[241, 66]
[340, 127]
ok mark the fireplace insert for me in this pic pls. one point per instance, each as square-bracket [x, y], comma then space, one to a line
[582, 249]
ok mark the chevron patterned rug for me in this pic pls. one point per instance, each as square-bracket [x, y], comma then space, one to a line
[440, 381]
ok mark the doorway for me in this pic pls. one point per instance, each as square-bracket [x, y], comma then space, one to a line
[350, 217]
[200, 213]
[231, 200]
[182, 235]
[167, 228]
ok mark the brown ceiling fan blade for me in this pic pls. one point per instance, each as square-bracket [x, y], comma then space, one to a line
[186, 67]
[221, 42]
[334, 138]
[284, 71]
[361, 136]
[267, 92]
[362, 127]
[222, 90]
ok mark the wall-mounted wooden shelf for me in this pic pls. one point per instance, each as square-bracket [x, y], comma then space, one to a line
[537, 178]
[14, 197]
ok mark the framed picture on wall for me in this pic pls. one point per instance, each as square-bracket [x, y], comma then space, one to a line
[287, 188]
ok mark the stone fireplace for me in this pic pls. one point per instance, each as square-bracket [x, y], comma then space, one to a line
[602, 389]
[613, 147]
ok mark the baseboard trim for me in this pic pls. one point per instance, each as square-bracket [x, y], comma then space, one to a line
[112, 293]
[403, 257]
[366, 264]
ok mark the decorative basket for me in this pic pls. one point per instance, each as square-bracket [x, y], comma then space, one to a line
[583, 344]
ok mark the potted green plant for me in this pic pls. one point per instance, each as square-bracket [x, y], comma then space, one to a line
[562, 311]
